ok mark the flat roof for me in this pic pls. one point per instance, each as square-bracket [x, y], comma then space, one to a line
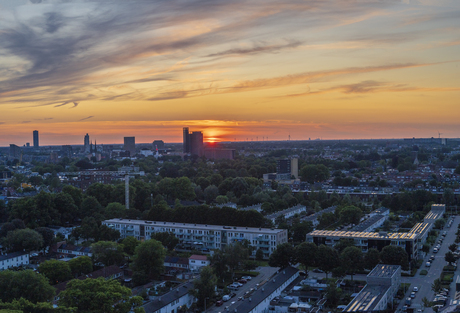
[362, 235]
[368, 223]
[384, 270]
[420, 228]
[194, 226]
[367, 299]
[266, 289]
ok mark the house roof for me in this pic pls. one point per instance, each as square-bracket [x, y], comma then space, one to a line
[198, 257]
[167, 298]
[12, 255]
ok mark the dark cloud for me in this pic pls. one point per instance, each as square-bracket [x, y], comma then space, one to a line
[86, 118]
[258, 48]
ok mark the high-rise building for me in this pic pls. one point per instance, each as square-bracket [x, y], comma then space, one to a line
[87, 143]
[186, 140]
[196, 143]
[283, 166]
[15, 151]
[130, 145]
[36, 144]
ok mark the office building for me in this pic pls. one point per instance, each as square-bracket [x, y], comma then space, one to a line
[130, 145]
[196, 143]
[86, 144]
[192, 142]
[288, 166]
[202, 236]
[186, 140]
[36, 144]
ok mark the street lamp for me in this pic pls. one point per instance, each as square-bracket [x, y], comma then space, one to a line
[207, 298]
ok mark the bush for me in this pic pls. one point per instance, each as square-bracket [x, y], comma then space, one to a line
[423, 272]
[448, 277]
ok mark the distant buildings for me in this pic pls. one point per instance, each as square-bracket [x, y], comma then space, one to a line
[158, 144]
[86, 143]
[36, 144]
[192, 142]
[15, 151]
[288, 166]
[130, 145]
[218, 154]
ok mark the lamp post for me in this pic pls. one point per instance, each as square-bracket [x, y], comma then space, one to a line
[207, 298]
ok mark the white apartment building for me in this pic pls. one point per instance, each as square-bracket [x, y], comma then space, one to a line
[13, 259]
[204, 236]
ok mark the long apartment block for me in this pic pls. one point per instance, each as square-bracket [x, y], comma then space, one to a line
[205, 236]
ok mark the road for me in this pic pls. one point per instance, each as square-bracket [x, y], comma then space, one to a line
[264, 274]
[434, 271]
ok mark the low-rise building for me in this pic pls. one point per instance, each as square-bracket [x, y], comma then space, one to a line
[207, 237]
[196, 262]
[382, 285]
[13, 259]
[69, 249]
[260, 300]
[171, 301]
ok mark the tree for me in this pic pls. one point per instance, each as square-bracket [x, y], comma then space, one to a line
[24, 239]
[168, 240]
[90, 205]
[439, 224]
[327, 258]
[393, 255]
[23, 305]
[149, 258]
[449, 257]
[115, 210]
[306, 254]
[106, 233]
[333, 295]
[108, 252]
[25, 284]
[99, 296]
[55, 271]
[283, 256]
[352, 260]
[300, 230]
[259, 255]
[205, 285]
[436, 286]
[314, 173]
[453, 247]
[129, 245]
[10, 226]
[371, 258]
[81, 265]
[351, 215]
[210, 193]
[48, 236]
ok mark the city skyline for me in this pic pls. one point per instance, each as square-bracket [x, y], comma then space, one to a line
[236, 70]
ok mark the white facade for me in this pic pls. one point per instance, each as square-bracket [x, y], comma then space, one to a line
[13, 260]
[172, 301]
[196, 262]
[207, 236]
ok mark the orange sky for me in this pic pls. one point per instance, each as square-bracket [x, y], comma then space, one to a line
[237, 70]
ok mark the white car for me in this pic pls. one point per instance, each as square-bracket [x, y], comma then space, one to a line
[415, 289]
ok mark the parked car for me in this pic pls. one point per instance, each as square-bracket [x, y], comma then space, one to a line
[317, 270]
[242, 281]
[412, 295]
[220, 302]
[435, 250]
[428, 264]
[247, 277]
[415, 289]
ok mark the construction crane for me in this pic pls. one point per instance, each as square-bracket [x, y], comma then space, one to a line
[125, 170]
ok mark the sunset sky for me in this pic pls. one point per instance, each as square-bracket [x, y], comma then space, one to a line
[234, 69]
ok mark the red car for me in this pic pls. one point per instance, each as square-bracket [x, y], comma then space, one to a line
[243, 281]
[219, 303]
